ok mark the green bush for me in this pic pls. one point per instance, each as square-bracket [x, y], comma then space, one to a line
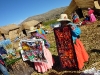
[12, 61]
[47, 24]
[50, 22]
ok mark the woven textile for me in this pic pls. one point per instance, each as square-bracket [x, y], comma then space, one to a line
[65, 48]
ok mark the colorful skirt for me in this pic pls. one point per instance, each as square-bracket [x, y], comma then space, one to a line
[76, 20]
[44, 66]
[81, 54]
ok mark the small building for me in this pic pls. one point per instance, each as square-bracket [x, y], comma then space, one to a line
[25, 26]
[12, 30]
[3, 32]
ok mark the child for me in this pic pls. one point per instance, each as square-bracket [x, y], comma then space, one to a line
[75, 18]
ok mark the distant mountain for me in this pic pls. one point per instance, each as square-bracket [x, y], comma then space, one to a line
[52, 14]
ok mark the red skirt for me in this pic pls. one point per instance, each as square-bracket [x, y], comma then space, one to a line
[76, 20]
[81, 54]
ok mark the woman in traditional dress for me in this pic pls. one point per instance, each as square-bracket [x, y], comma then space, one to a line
[40, 30]
[75, 18]
[42, 66]
[91, 14]
[80, 51]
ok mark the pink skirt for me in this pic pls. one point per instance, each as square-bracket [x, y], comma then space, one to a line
[92, 18]
[81, 54]
[44, 66]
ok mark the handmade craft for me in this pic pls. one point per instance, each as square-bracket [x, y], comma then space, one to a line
[9, 48]
[32, 49]
[65, 47]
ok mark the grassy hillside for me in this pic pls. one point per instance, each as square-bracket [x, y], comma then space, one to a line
[50, 15]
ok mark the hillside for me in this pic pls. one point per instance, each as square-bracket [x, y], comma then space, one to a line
[52, 14]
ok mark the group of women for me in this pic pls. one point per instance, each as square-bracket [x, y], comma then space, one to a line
[80, 51]
[90, 17]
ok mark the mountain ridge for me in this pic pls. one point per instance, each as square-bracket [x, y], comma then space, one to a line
[52, 14]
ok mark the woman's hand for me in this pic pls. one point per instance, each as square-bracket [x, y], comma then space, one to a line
[72, 28]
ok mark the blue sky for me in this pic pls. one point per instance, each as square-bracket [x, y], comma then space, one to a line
[15, 11]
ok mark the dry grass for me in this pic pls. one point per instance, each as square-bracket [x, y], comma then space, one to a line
[91, 38]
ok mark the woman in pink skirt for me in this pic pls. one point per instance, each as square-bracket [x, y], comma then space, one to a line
[42, 66]
[92, 16]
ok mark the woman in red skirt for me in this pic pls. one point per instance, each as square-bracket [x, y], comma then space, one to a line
[81, 54]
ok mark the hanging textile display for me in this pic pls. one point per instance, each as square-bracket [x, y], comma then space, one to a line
[32, 50]
[65, 47]
[9, 48]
